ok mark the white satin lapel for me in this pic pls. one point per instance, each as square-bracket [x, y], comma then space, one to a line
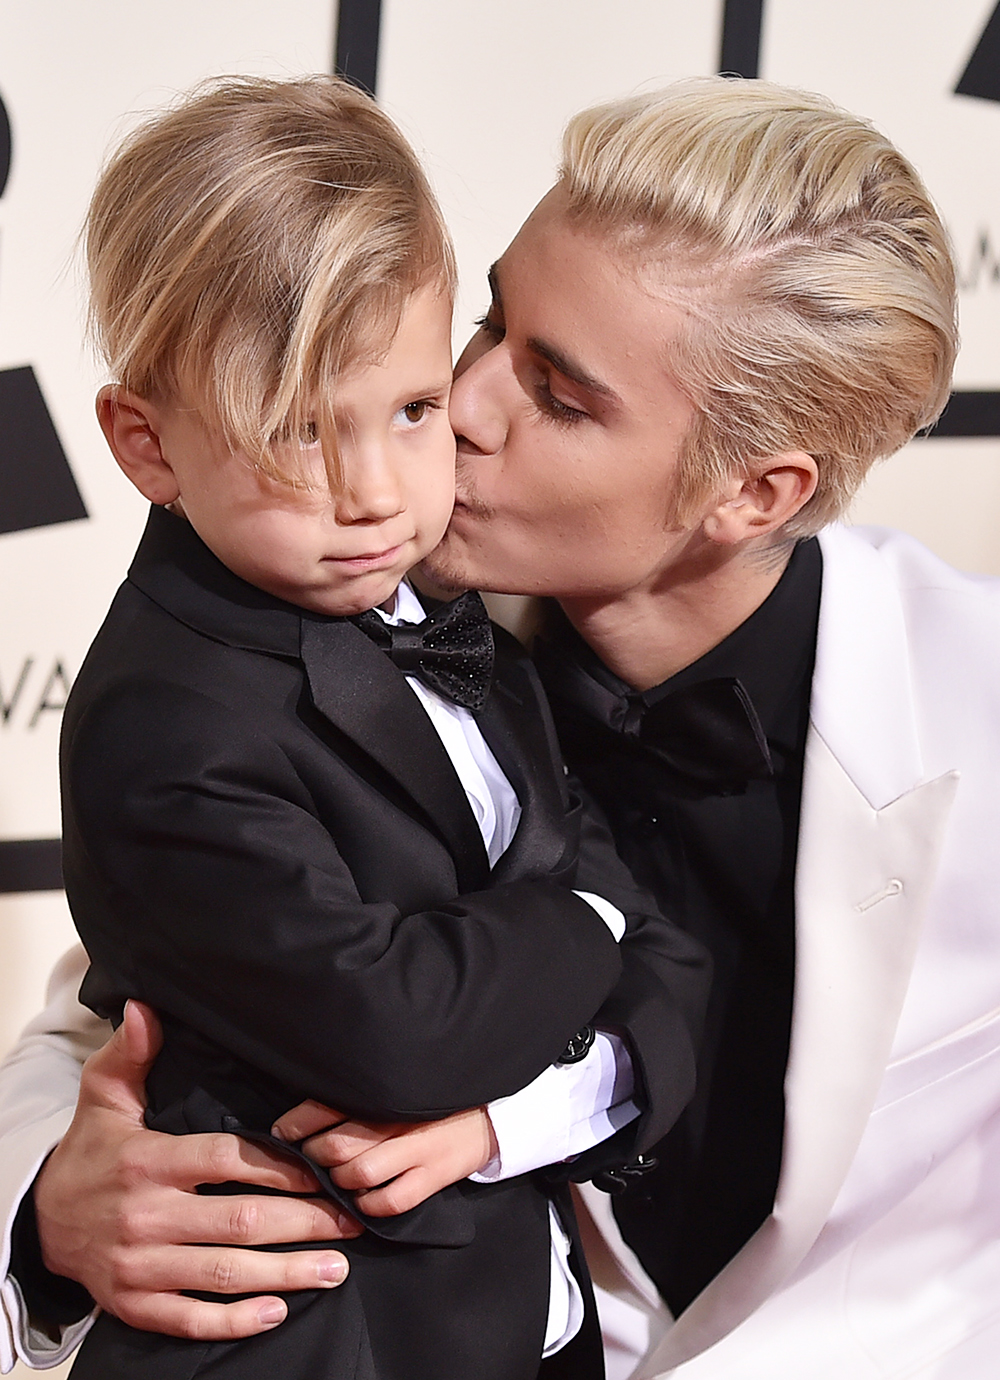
[868, 852]
[862, 699]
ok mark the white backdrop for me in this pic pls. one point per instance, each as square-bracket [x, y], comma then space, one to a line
[483, 88]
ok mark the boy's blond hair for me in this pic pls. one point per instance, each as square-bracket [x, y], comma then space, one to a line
[252, 244]
[813, 269]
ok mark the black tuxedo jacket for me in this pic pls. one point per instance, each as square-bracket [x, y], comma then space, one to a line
[265, 839]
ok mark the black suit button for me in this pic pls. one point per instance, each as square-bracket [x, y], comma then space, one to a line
[579, 1047]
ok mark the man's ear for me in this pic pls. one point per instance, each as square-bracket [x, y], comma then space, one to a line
[763, 502]
[132, 428]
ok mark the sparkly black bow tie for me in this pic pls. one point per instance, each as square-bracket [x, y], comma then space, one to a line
[451, 651]
[708, 733]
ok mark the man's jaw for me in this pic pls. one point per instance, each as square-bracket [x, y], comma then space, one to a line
[436, 577]
[444, 570]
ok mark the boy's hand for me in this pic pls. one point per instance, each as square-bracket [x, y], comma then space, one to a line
[393, 1166]
[118, 1212]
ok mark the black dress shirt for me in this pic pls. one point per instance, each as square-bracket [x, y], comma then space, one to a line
[722, 865]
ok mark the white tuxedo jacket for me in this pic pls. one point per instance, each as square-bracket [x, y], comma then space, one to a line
[882, 1255]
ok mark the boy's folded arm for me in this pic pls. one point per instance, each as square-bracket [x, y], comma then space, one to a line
[658, 1003]
[582, 1117]
[232, 911]
[566, 1110]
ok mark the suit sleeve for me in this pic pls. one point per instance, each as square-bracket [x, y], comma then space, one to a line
[658, 1003]
[203, 883]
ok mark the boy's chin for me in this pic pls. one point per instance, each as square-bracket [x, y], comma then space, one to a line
[349, 602]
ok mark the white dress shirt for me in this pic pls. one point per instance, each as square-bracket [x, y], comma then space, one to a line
[568, 1108]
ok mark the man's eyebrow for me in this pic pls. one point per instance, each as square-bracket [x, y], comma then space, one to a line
[568, 367]
[494, 285]
[573, 371]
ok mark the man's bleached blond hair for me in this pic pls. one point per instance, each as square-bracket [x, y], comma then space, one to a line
[814, 271]
[249, 246]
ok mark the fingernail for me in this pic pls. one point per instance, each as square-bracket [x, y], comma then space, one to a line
[276, 1132]
[332, 1271]
[272, 1313]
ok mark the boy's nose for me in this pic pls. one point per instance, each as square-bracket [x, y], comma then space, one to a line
[371, 492]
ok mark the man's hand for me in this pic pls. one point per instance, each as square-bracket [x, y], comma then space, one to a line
[391, 1167]
[118, 1211]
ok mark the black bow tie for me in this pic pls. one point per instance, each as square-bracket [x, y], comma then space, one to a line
[451, 651]
[708, 733]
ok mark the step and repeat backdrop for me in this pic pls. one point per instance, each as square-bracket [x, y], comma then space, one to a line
[483, 87]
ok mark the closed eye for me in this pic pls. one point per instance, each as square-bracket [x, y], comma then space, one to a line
[554, 407]
[490, 326]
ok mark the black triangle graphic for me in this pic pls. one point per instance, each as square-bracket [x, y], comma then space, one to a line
[37, 487]
[982, 74]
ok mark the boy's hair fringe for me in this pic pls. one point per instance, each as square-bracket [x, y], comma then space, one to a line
[252, 244]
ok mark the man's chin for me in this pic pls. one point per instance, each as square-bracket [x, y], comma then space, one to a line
[439, 577]
[456, 564]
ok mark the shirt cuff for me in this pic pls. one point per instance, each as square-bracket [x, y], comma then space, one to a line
[610, 914]
[32, 1345]
[53, 1300]
[567, 1109]
[21, 1336]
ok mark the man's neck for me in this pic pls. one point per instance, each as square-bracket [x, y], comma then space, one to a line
[648, 635]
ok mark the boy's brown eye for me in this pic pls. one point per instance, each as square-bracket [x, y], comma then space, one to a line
[416, 411]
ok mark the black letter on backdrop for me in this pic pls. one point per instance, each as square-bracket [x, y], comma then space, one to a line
[4, 146]
[37, 487]
[358, 23]
[742, 21]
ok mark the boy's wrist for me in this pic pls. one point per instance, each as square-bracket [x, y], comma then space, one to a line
[566, 1110]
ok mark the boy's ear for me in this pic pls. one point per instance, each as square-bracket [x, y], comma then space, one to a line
[132, 428]
[763, 502]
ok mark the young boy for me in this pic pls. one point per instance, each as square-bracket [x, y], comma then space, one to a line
[336, 874]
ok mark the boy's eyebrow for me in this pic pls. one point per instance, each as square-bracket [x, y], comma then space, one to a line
[570, 368]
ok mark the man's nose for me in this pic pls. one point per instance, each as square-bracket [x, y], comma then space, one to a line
[477, 409]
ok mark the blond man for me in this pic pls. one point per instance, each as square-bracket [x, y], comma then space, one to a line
[735, 300]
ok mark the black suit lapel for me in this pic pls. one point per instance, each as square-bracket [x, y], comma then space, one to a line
[353, 684]
[517, 734]
[357, 688]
